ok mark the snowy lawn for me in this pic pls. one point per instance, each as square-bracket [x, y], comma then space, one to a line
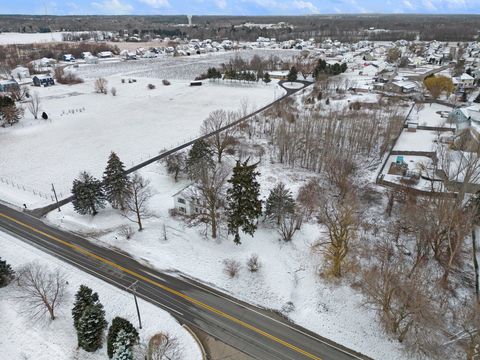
[289, 271]
[56, 340]
[421, 140]
[434, 115]
[84, 126]
[293, 85]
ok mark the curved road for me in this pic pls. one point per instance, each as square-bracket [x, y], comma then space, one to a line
[259, 333]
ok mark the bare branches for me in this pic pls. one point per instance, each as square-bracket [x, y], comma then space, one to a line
[33, 105]
[164, 346]
[222, 139]
[101, 86]
[41, 290]
[136, 206]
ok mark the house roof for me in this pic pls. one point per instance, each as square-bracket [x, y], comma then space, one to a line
[465, 76]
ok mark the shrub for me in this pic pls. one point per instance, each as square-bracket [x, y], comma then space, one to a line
[101, 85]
[113, 91]
[126, 231]
[231, 267]
[151, 86]
[253, 264]
[166, 82]
[66, 78]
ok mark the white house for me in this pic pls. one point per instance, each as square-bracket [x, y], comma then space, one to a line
[466, 80]
[187, 201]
[105, 54]
[20, 72]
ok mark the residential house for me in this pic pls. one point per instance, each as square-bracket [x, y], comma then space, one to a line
[68, 57]
[20, 72]
[105, 54]
[8, 85]
[43, 80]
[187, 201]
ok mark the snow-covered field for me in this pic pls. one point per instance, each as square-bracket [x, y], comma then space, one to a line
[84, 126]
[289, 270]
[35, 38]
[169, 67]
[56, 340]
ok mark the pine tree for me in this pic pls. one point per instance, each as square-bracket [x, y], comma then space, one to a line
[266, 78]
[280, 203]
[118, 324]
[243, 203]
[83, 298]
[88, 194]
[115, 182]
[90, 327]
[6, 273]
[200, 157]
[122, 347]
[292, 74]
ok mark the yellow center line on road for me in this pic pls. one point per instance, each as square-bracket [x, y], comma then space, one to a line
[166, 288]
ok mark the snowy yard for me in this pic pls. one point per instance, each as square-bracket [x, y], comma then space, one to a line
[421, 140]
[434, 115]
[289, 271]
[56, 340]
[84, 126]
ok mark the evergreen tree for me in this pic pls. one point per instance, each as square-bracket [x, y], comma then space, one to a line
[88, 194]
[280, 203]
[115, 182]
[243, 203]
[6, 273]
[90, 327]
[266, 78]
[83, 298]
[9, 113]
[343, 67]
[122, 347]
[118, 324]
[200, 157]
[292, 74]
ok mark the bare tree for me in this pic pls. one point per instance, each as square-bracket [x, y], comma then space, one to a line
[231, 267]
[139, 193]
[33, 105]
[41, 290]
[101, 86]
[210, 186]
[164, 346]
[222, 139]
[341, 220]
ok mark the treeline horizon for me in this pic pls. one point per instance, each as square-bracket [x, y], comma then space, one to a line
[343, 27]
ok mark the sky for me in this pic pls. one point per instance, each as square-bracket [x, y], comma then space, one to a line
[236, 7]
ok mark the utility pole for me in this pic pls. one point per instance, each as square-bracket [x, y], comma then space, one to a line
[133, 288]
[56, 198]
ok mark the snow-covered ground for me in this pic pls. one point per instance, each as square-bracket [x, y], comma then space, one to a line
[56, 340]
[34, 38]
[289, 270]
[420, 140]
[434, 115]
[84, 126]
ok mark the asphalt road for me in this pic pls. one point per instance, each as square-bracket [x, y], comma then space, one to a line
[262, 334]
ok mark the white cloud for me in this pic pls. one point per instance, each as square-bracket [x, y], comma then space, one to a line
[222, 4]
[114, 7]
[156, 3]
[305, 5]
[428, 4]
[408, 4]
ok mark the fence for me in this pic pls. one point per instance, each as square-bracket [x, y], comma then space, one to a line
[28, 189]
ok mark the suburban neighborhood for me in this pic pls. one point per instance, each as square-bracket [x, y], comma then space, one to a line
[183, 187]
